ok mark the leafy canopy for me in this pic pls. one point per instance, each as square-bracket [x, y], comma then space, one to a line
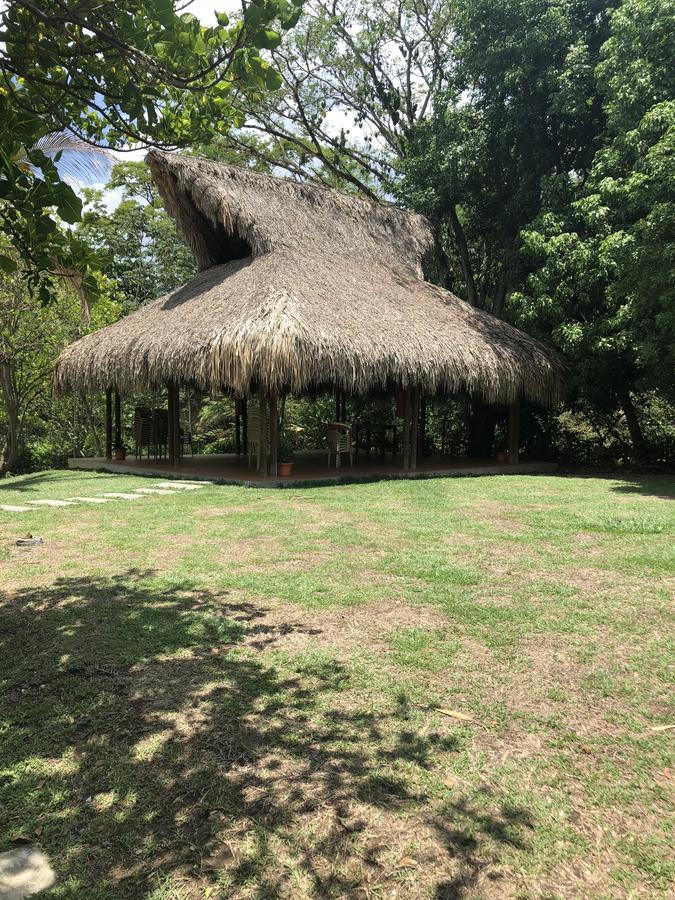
[603, 264]
[112, 74]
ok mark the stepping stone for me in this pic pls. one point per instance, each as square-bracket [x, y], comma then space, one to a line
[156, 491]
[89, 500]
[119, 496]
[6, 507]
[24, 870]
[50, 502]
[181, 485]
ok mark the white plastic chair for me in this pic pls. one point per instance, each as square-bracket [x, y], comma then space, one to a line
[339, 438]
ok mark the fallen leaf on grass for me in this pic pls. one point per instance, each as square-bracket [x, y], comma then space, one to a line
[406, 862]
[456, 715]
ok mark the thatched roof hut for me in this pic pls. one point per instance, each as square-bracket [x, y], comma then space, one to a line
[301, 287]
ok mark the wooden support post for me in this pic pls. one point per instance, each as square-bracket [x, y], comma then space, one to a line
[393, 434]
[407, 412]
[176, 422]
[274, 427]
[422, 436]
[244, 422]
[118, 420]
[262, 436]
[171, 438]
[514, 432]
[108, 425]
[337, 405]
[343, 407]
[237, 426]
[414, 423]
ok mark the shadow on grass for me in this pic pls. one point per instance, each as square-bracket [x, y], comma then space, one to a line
[32, 482]
[143, 742]
[659, 486]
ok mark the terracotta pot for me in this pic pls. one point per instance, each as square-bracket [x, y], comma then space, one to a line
[120, 453]
[285, 469]
[503, 456]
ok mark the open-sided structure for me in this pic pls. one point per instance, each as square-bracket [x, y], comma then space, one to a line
[302, 288]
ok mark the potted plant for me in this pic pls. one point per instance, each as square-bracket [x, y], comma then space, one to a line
[120, 451]
[285, 448]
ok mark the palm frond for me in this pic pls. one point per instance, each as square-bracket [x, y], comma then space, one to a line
[80, 163]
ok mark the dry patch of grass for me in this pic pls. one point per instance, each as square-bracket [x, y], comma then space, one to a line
[342, 631]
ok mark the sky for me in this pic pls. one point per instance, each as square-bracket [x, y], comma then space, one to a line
[204, 9]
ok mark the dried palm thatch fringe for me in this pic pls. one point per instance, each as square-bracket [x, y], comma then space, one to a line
[302, 286]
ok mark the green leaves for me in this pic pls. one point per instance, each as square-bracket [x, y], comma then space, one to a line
[164, 78]
[267, 39]
[8, 264]
[68, 204]
[273, 79]
[165, 13]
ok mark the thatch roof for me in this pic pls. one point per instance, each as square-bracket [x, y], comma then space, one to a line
[302, 286]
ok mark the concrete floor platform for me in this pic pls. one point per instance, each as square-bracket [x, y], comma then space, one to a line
[310, 468]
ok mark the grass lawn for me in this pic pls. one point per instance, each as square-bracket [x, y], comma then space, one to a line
[235, 693]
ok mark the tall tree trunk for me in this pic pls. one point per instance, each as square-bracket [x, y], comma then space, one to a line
[463, 250]
[632, 421]
[483, 418]
[440, 258]
[499, 298]
[9, 449]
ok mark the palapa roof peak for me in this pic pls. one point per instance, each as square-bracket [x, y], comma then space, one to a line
[302, 286]
[220, 208]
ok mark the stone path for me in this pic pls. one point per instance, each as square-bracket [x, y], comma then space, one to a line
[50, 502]
[119, 496]
[163, 489]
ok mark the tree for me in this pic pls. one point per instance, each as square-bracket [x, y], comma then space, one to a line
[31, 336]
[355, 76]
[111, 73]
[602, 261]
[521, 112]
[142, 256]
[459, 110]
